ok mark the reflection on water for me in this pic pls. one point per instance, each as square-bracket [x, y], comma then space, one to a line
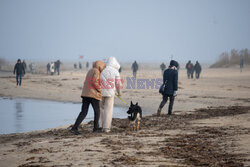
[19, 115]
[23, 115]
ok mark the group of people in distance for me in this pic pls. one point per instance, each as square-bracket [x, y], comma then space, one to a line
[193, 68]
[80, 65]
[53, 67]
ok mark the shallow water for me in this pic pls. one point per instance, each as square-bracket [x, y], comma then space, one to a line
[24, 115]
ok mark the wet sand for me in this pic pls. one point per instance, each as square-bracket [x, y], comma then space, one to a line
[209, 126]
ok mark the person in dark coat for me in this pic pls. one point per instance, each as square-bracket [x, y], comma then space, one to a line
[197, 69]
[19, 71]
[24, 65]
[241, 62]
[163, 67]
[190, 69]
[120, 69]
[170, 79]
[80, 65]
[48, 68]
[57, 66]
[135, 68]
[87, 65]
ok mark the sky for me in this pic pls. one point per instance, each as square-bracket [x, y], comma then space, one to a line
[141, 30]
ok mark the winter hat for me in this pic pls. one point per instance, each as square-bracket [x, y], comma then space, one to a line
[174, 63]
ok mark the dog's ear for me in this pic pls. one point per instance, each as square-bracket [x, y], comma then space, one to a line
[131, 103]
[136, 104]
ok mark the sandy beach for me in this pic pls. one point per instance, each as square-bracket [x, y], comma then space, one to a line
[209, 126]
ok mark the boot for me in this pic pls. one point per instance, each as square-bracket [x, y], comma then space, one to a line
[97, 130]
[159, 112]
[74, 131]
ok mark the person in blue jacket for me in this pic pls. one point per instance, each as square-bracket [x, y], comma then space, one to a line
[170, 79]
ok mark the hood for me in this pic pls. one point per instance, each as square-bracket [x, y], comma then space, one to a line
[113, 63]
[100, 65]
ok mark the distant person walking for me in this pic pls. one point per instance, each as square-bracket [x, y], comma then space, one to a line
[197, 70]
[111, 83]
[87, 65]
[19, 71]
[31, 67]
[48, 68]
[170, 80]
[91, 94]
[80, 65]
[57, 66]
[52, 68]
[24, 65]
[75, 66]
[163, 68]
[135, 68]
[241, 62]
[189, 67]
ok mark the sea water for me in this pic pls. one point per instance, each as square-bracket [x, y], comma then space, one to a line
[23, 115]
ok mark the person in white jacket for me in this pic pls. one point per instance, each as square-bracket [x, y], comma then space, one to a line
[111, 84]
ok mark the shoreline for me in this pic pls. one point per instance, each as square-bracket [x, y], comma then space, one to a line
[44, 99]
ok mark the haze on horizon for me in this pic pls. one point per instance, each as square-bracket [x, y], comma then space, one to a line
[142, 30]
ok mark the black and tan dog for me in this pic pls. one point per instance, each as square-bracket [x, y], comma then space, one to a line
[135, 116]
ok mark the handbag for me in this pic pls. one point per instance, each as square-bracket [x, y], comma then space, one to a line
[161, 90]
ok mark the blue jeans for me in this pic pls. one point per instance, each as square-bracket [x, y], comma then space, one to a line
[20, 79]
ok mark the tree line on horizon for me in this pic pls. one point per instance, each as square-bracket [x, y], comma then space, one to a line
[227, 60]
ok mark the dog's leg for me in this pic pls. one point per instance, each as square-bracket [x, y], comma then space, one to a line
[138, 124]
[132, 126]
[138, 118]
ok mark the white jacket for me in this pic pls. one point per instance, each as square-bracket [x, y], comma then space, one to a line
[110, 78]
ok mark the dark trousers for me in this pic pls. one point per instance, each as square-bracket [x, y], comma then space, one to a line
[19, 82]
[164, 101]
[58, 70]
[134, 73]
[85, 107]
[190, 74]
[197, 75]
